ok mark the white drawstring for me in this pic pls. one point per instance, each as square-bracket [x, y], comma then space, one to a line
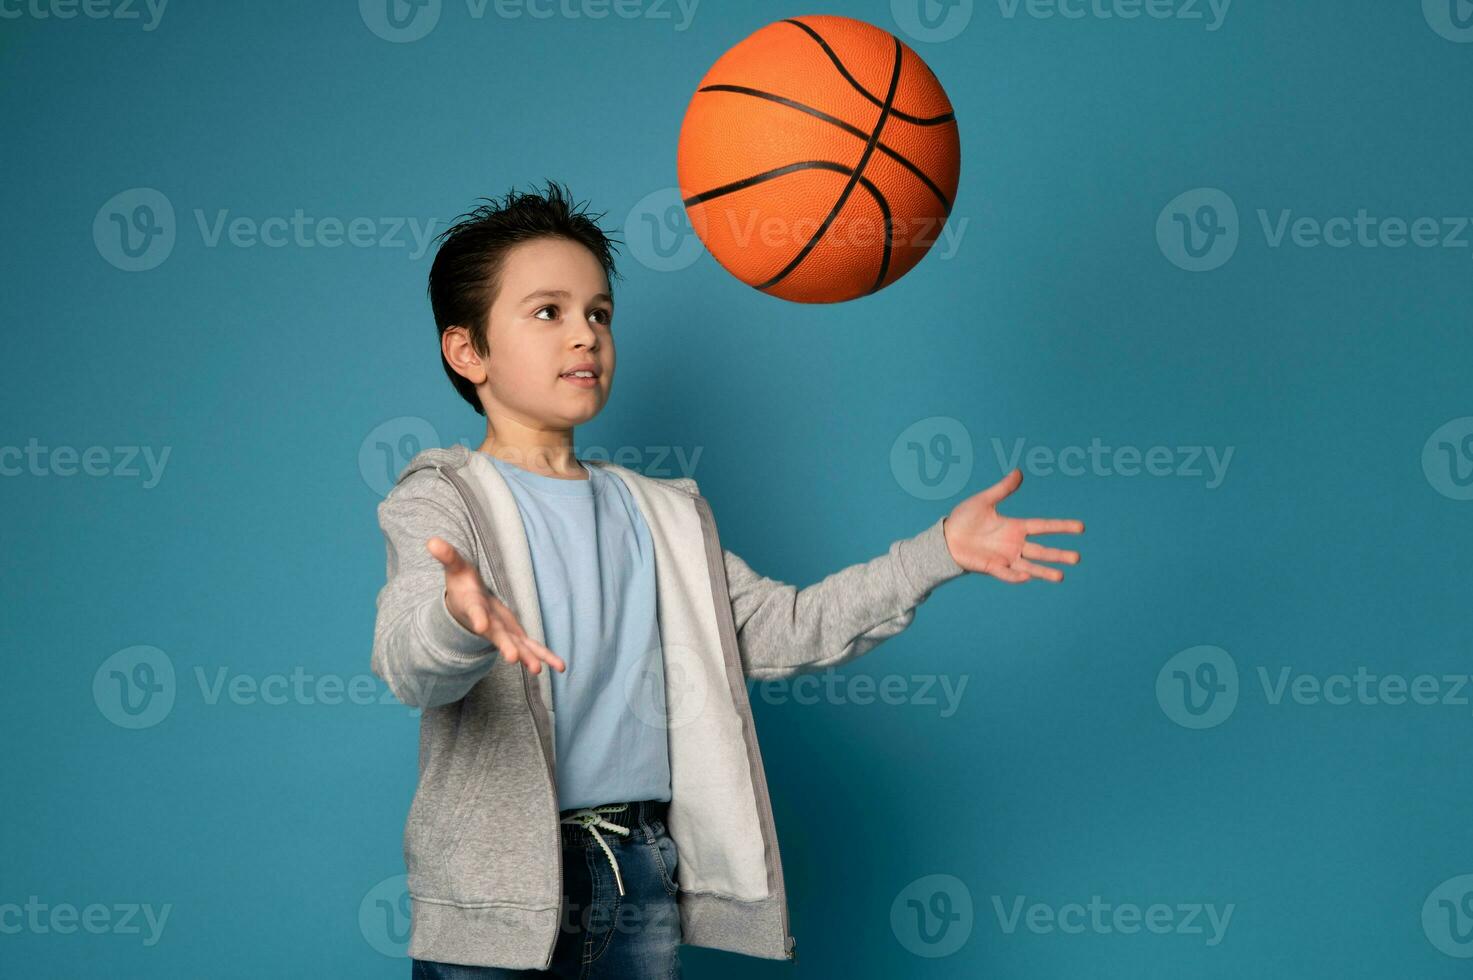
[590, 818]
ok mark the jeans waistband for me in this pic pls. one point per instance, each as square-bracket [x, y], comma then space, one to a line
[637, 815]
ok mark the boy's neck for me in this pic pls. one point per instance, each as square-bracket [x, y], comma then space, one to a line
[556, 460]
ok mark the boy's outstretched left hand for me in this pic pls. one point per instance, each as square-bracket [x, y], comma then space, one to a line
[982, 540]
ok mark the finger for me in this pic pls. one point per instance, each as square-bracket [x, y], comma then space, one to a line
[1040, 553]
[479, 621]
[514, 647]
[503, 641]
[1038, 571]
[1003, 487]
[543, 653]
[1041, 525]
[513, 651]
[529, 651]
[539, 653]
[446, 555]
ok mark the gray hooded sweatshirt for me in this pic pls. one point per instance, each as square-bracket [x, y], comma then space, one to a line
[481, 844]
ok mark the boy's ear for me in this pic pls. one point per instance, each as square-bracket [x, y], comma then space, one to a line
[456, 348]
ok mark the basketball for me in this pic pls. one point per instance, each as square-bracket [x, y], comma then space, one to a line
[818, 159]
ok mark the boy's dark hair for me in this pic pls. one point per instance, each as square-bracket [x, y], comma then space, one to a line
[466, 274]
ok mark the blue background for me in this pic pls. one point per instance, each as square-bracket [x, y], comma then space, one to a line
[1059, 319]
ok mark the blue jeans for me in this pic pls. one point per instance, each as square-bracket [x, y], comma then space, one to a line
[602, 934]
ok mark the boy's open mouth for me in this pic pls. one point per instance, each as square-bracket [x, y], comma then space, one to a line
[583, 379]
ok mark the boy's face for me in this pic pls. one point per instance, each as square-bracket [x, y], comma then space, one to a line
[552, 314]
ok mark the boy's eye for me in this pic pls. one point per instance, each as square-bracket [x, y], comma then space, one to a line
[601, 313]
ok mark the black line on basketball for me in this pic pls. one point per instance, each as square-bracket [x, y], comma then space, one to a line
[869, 149]
[766, 175]
[846, 127]
[831, 165]
[919, 121]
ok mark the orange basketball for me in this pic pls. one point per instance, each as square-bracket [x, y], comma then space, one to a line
[818, 159]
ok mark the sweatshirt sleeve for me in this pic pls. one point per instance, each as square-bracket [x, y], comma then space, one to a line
[782, 630]
[419, 650]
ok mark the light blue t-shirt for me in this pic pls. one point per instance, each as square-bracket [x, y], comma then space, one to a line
[594, 563]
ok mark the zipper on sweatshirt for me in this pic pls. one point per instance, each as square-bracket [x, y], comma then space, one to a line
[547, 763]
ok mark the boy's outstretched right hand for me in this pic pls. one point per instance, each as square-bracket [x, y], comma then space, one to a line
[475, 608]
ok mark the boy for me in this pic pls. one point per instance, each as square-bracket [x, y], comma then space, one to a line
[591, 793]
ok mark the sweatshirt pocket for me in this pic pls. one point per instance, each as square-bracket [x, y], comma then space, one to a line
[503, 847]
